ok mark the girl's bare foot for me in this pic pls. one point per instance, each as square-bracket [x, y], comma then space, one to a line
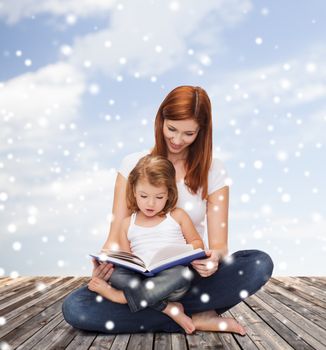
[101, 287]
[176, 312]
[210, 321]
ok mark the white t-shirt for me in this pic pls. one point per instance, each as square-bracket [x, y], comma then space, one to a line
[193, 204]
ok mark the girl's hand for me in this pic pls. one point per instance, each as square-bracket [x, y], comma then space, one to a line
[103, 271]
[206, 267]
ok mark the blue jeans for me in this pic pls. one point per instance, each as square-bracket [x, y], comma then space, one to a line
[154, 292]
[243, 273]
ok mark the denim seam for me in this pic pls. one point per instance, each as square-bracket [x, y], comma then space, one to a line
[131, 302]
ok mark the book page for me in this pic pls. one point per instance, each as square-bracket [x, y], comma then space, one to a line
[170, 251]
[122, 255]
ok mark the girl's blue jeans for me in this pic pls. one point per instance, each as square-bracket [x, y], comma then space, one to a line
[241, 274]
[154, 292]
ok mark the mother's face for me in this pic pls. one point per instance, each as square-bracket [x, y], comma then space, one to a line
[179, 134]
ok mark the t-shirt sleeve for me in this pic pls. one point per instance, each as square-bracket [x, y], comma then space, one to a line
[129, 162]
[217, 176]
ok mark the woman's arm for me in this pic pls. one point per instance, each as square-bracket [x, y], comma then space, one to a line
[119, 212]
[124, 242]
[217, 220]
[188, 229]
[217, 230]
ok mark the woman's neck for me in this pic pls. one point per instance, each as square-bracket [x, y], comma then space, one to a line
[176, 158]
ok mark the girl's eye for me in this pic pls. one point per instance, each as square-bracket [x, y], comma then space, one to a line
[143, 196]
[159, 197]
[189, 134]
[171, 129]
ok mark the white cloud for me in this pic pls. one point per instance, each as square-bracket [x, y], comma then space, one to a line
[15, 10]
[272, 85]
[53, 92]
[149, 38]
[33, 105]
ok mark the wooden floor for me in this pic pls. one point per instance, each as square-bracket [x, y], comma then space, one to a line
[288, 313]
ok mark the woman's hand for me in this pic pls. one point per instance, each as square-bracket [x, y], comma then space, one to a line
[206, 267]
[103, 271]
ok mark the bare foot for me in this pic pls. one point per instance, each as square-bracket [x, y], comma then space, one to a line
[176, 312]
[101, 287]
[210, 321]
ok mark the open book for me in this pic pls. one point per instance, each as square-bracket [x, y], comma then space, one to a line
[165, 258]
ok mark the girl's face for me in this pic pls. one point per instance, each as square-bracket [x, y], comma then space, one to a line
[150, 199]
[179, 134]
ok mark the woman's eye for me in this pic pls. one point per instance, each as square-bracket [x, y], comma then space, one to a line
[171, 129]
[189, 134]
[159, 197]
[143, 196]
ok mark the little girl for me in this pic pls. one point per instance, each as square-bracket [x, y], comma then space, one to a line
[154, 223]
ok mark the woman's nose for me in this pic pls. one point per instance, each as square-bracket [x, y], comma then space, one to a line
[177, 140]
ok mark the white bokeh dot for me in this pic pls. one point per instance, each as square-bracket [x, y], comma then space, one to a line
[204, 298]
[222, 325]
[2, 321]
[12, 228]
[17, 246]
[109, 325]
[143, 303]
[258, 40]
[149, 285]
[243, 294]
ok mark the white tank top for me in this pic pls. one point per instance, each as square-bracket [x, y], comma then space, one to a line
[146, 241]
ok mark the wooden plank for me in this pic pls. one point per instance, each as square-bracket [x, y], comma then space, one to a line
[319, 282]
[141, 341]
[311, 311]
[82, 341]
[204, 340]
[29, 331]
[162, 341]
[20, 307]
[120, 342]
[35, 334]
[58, 338]
[4, 281]
[261, 334]
[40, 306]
[283, 326]
[316, 284]
[297, 292]
[307, 330]
[178, 341]
[103, 342]
[26, 294]
[7, 292]
[311, 290]
[11, 283]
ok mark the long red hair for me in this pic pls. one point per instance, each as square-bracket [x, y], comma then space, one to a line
[181, 103]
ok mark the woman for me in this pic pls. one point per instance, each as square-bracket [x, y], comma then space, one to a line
[183, 134]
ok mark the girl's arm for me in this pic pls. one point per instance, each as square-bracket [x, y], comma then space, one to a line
[217, 220]
[119, 212]
[187, 227]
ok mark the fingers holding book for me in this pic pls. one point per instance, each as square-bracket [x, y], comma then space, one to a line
[102, 270]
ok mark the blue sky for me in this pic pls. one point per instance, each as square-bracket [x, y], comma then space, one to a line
[80, 84]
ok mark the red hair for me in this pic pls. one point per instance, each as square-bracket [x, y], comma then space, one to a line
[189, 102]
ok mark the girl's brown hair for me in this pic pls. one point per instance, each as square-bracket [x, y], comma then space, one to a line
[181, 103]
[158, 171]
